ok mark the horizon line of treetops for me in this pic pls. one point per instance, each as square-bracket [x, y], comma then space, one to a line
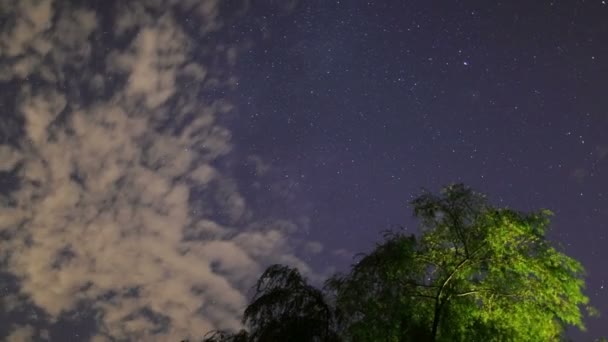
[476, 272]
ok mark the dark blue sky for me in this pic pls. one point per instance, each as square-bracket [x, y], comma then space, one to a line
[362, 104]
[159, 154]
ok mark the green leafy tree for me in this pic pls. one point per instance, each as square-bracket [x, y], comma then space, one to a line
[376, 301]
[477, 273]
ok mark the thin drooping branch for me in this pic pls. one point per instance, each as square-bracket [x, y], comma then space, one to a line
[493, 292]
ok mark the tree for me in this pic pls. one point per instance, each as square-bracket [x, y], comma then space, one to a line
[375, 301]
[477, 273]
[223, 336]
[286, 308]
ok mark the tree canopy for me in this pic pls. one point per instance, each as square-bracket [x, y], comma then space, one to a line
[474, 273]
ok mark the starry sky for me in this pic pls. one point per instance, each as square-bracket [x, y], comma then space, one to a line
[156, 156]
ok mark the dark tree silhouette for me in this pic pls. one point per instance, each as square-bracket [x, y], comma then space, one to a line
[223, 336]
[285, 307]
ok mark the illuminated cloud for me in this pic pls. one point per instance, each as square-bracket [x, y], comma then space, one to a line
[21, 333]
[119, 203]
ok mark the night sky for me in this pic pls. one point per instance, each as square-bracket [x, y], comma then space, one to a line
[156, 156]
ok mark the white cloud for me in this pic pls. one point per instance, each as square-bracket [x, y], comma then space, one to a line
[32, 19]
[21, 333]
[34, 36]
[9, 157]
[105, 204]
[157, 54]
[39, 111]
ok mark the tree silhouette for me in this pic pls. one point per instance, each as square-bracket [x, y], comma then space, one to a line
[223, 336]
[474, 273]
[285, 307]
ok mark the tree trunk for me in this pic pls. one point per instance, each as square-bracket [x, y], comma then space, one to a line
[436, 317]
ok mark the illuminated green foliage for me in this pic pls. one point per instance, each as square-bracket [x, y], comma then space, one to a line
[477, 273]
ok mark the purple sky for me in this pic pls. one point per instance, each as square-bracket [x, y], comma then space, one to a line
[156, 156]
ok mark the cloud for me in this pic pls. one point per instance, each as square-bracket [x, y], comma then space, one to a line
[9, 157]
[32, 18]
[120, 205]
[21, 333]
[157, 53]
[38, 44]
[314, 247]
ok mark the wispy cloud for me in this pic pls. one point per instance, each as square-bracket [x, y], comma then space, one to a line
[119, 203]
